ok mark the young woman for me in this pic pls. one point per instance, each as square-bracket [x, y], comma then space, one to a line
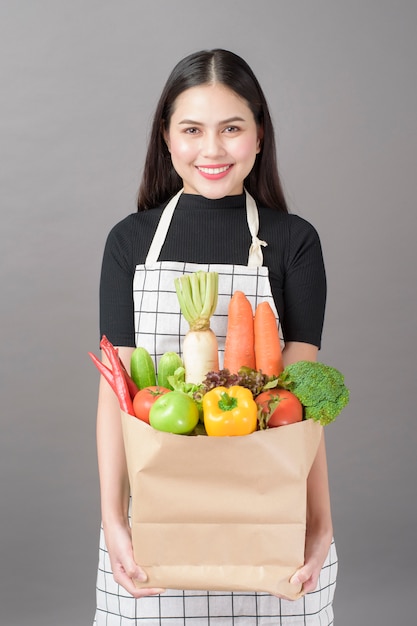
[211, 172]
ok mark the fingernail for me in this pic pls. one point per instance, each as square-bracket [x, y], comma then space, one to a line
[295, 580]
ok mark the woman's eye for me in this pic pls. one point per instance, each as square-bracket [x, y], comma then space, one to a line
[191, 131]
[231, 129]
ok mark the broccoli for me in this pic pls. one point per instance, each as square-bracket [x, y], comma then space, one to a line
[319, 387]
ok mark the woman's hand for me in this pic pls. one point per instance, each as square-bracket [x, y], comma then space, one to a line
[125, 569]
[316, 550]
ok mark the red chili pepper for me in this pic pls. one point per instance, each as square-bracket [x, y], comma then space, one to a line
[104, 370]
[122, 389]
[116, 375]
[108, 375]
[131, 385]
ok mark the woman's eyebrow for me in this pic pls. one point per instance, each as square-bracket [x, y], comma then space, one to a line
[228, 121]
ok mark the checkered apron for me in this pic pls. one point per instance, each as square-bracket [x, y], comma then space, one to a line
[160, 328]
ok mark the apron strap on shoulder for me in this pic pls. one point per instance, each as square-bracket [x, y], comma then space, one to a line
[255, 258]
[161, 230]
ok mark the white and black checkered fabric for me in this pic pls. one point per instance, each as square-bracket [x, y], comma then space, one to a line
[159, 325]
[115, 607]
[160, 328]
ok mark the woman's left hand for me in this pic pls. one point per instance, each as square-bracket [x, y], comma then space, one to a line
[316, 550]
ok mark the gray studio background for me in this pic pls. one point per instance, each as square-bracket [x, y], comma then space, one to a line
[79, 81]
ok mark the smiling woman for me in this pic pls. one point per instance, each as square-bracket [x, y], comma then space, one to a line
[220, 146]
[210, 186]
[208, 69]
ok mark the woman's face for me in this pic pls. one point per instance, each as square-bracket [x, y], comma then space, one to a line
[213, 140]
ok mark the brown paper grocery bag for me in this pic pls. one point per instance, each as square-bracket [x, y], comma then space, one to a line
[220, 513]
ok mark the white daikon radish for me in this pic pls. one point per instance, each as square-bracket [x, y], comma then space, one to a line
[197, 295]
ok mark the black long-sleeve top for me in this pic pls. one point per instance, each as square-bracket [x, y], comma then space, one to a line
[216, 231]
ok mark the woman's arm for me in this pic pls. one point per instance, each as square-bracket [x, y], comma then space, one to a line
[114, 488]
[319, 519]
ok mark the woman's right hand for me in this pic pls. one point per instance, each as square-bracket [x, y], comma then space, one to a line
[125, 569]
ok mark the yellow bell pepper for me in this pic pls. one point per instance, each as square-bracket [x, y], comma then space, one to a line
[229, 411]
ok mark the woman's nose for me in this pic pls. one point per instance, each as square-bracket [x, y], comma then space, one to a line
[212, 145]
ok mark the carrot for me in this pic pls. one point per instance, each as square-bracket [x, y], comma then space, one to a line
[239, 346]
[268, 354]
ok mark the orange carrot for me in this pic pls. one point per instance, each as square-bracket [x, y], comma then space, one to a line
[239, 346]
[268, 354]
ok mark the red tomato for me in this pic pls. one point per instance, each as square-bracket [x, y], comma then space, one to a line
[144, 399]
[288, 411]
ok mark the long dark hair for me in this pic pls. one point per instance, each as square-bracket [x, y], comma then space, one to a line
[159, 180]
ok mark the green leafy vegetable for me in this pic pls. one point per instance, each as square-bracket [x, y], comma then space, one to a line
[178, 383]
[319, 387]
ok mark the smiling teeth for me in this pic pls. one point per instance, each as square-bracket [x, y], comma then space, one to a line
[214, 170]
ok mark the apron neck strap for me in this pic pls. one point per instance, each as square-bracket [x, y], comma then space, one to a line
[161, 230]
[255, 258]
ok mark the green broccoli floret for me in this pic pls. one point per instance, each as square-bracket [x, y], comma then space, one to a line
[319, 387]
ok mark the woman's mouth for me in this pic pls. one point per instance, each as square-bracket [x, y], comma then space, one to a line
[214, 172]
